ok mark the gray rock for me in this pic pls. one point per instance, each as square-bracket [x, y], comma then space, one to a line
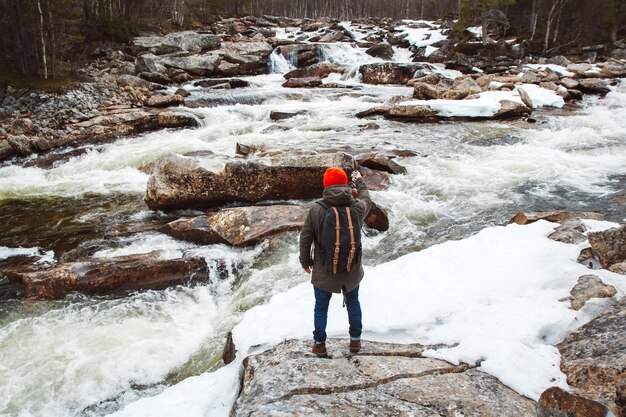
[202, 65]
[594, 86]
[610, 245]
[570, 231]
[383, 380]
[593, 357]
[588, 287]
[511, 110]
[179, 41]
[239, 226]
[381, 50]
[164, 100]
[389, 73]
[569, 83]
[178, 181]
[559, 60]
[127, 80]
[321, 70]
[310, 82]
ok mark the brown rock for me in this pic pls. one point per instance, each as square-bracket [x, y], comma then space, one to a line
[303, 82]
[374, 179]
[164, 101]
[377, 219]
[593, 86]
[411, 112]
[196, 181]
[588, 258]
[588, 287]
[230, 351]
[21, 126]
[593, 357]
[618, 268]
[239, 226]
[554, 402]
[525, 97]
[569, 83]
[110, 276]
[319, 70]
[610, 245]
[553, 216]
[570, 231]
[282, 115]
[426, 91]
[381, 50]
[511, 110]
[388, 73]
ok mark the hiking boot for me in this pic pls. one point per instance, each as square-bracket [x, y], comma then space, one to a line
[320, 350]
[355, 346]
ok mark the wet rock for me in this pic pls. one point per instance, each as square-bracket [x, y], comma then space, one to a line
[303, 82]
[230, 351]
[232, 82]
[588, 287]
[383, 380]
[381, 50]
[239, 226]
[188, 182]
[182, 92]
[593, 357]
[133, 81]
[610, 245]
[593, 86]
[512, 110]
[377, 219]
[570, 231]
[320, 70]
[164, 101]
[554, 402]
[252, 57]
[389, 73]
[554, 216]
[375, 180]
[108, 276]
[301, 55]
[245, 150]
[282, 115]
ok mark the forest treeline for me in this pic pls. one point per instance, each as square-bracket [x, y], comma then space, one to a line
[47, 37]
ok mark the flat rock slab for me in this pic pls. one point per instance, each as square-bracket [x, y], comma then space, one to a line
[108, 276]
[594, 357]
[178, 181]
[382, 380]
[239, 226]
[554, 216]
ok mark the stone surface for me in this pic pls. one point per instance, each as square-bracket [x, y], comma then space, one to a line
[239, 226]
[594, 357]
[570, 231]
[381, 50]
[610, 245]
[164, 100]
[200, 65]
[553, 216]
[108, 276]
[618, 268]
[300, 55]
[554, 402]
[388, 73]
[309, 82]
[178, 41]
[593, 86]
[512, 110]
[178, 181]
[282, 115]
[319, 70]
[588, 287]
[382, 380]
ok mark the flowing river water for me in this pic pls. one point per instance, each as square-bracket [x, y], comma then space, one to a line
[92, 355]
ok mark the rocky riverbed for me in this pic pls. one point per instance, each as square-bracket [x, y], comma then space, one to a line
[159, 202]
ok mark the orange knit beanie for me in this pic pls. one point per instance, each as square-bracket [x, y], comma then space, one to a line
[335, 176]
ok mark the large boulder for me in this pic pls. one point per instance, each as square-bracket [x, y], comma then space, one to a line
[381, 50]
[389, 73]
[187, 41]
[239, 226]
[300, 55]
[200, 65]
[250, 58]
[319, 70]
[164, 100]
[593, 86]
[610, 245]
[593, 358]
[383, 380]
[108, 276]
[179, 181]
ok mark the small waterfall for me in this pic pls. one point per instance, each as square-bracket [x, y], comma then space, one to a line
[279, 64]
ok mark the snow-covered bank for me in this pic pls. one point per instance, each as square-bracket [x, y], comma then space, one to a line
[495, 295]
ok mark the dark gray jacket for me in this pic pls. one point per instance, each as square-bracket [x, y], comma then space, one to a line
[311, 232]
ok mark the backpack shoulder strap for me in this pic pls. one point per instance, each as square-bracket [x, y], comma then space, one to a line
[323, 203]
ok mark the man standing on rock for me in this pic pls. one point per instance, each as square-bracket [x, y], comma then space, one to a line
[338, 213]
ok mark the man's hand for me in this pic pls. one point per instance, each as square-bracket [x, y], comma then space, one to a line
[308, 269]
[356, 175]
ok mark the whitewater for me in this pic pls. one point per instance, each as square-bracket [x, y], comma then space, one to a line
[448, 270]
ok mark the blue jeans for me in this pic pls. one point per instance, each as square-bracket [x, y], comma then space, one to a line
[320, 316]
